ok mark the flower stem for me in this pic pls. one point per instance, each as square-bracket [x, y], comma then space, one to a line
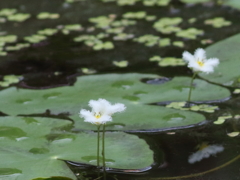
[103, 152]
[98, 143]
[191, 85]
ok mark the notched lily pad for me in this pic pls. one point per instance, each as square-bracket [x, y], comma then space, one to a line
[45, 157]
[228, 54]
[115, 88]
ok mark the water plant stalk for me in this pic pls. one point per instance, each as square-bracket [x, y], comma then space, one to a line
[98, 143]
[191, 86]
[103, 152]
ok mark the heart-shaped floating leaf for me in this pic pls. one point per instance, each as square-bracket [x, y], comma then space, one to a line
[227, 72]
[122, 88]
[38, 150]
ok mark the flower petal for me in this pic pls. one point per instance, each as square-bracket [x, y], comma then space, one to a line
[200, 54]
[96, 105]
[188, 57]
[212, 62]
[118, 107]
[87, 115]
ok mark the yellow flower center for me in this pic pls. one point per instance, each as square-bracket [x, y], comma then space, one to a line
[203, 145]
[200, 63]
[97, 115]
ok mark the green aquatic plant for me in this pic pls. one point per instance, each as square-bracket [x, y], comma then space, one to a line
[199, 63]
[218, 22]
[121, 64]
[47, 15]
[168, 25]
[20, 17]
[190, 33]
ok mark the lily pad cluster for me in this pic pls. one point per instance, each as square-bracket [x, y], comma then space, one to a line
[9, 79]
[218, 22]
[95, 41]
[156, 2]
[194, 107]
[12, 15]
[168, 25]
[47, 15]
[43, 145]
[190, 33]
[168, 61]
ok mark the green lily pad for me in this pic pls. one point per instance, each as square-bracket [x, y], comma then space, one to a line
[155, 58]
[202, 107]
[46, 143]
[36, 38]
[122, 88]
[164, 42]
[190, 33]
[167, 25]
[217, 22]
[120, 64]
[123, 37]
[88, 71]
[17, 47]
[195, 1]
[135, 15]
[148, 39]
[101, 21]
[232, 3]
[47, 15]
[178, 43]
[227, 71]
[171, 61]
[126, 2]
[8, 38]
[7, 12]
[20, 17]
[9, 79]
[47, 31]
[156, 2]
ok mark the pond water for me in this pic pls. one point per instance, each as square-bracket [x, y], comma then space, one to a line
[56, 56]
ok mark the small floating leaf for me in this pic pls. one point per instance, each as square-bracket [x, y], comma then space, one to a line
[35, 38]
[217, 22]
[233, 134]
[178, 43]
[8, 38]
[88, 71]
[47, 15]
[171, 61]
[190, 33]
[164, 42]
[47, 31]
[7, 12]
[120, 63]
[20, 17]
[155, 58]
[167, 25]
[135, 15]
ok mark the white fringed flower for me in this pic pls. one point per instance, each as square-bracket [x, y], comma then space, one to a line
[205, 151]
[198, 61]
[101, 112]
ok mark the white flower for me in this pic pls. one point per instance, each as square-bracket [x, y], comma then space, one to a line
[101, 112]
[198, 61]
[205, 151]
